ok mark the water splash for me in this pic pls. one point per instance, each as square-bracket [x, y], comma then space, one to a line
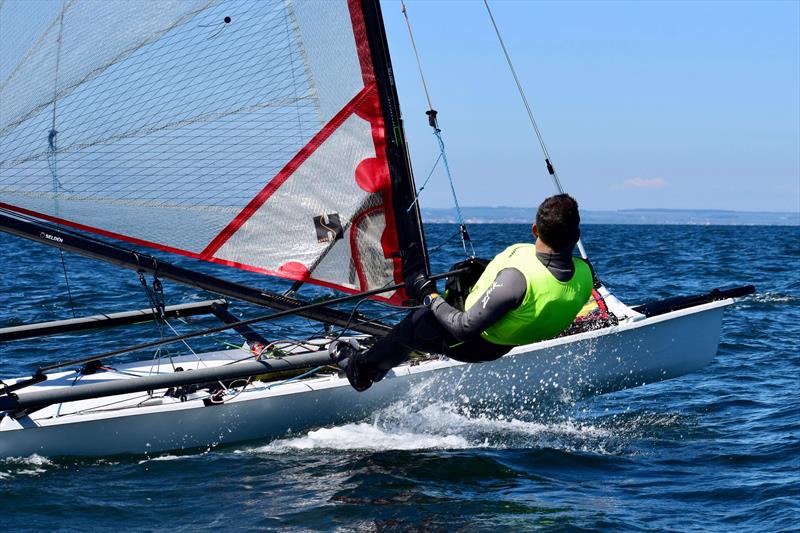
[446, 426]
[32, 465]
[366, 437]
[773, 298]
[170, 457]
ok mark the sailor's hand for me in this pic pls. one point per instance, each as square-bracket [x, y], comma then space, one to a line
[419, 286]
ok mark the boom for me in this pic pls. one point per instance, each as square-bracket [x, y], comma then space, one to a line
[95, 249]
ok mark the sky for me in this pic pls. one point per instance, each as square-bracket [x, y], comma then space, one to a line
[679, 105]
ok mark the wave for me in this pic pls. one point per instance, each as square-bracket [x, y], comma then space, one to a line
[33, 465]
[172, 457]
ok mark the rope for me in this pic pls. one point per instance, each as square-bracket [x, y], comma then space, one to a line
[434, 123]
[66, 279]
[464, 234]
[301, 376]
[548, 161]
[155, 296]
[424, 183]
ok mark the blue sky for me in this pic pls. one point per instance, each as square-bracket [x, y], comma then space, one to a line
[642, 104]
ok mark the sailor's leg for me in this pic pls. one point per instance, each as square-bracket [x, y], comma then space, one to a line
[419, 330]
[476, 351]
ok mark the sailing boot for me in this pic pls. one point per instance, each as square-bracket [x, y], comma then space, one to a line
[345, 353]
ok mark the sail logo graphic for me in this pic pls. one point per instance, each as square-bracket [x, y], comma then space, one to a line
[329, 227]
[49, 237]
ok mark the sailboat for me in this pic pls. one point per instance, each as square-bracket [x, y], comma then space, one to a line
[264, 136]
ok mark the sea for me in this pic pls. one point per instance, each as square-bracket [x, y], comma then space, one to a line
[716, 450]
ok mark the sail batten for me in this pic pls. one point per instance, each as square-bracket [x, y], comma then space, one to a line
[257, 134]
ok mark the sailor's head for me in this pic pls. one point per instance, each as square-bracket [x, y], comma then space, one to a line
[558, 223]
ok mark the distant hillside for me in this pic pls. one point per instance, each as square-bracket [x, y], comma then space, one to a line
[521, 215]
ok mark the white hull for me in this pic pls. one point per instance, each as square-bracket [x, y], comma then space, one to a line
[605, 360]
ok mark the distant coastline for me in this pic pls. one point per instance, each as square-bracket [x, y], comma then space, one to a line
[700, 217]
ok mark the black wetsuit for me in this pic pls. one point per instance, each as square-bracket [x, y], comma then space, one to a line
[446, 330]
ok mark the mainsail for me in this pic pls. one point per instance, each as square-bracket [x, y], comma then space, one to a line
[263, 135]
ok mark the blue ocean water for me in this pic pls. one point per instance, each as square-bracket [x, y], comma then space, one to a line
[718, 450]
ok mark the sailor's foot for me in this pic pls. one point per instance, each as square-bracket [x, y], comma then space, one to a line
[345, 353]
[357, 379]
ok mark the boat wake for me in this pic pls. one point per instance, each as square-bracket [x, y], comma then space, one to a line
[410, 426]
[418, 422]
[367, 437]
[445, 426]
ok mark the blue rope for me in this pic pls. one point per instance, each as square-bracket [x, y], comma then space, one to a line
[424, 184]
[438, 133]
[301, 376]
[442, 155]
[459, 215]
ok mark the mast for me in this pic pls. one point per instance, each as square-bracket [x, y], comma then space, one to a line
[409, 223]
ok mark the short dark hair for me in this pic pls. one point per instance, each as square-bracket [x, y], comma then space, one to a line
[558, 222]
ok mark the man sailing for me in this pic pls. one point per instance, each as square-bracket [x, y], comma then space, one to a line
[527, 293]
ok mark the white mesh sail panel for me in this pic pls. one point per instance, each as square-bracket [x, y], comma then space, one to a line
[241, 132]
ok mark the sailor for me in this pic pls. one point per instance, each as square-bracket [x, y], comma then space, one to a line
[527, 293]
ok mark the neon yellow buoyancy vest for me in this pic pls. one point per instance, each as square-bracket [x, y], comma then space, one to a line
[549, 305]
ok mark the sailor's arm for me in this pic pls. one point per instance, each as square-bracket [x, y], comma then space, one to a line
[505, 294]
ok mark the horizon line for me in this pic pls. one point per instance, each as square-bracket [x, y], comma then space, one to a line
[630, 209]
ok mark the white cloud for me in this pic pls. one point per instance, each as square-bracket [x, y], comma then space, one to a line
[645, 183]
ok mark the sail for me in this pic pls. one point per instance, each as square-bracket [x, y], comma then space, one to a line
[259, 134]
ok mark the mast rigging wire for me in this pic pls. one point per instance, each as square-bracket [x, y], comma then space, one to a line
[548, 161]
[434, 123]
[52, 151]
[414, 47]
